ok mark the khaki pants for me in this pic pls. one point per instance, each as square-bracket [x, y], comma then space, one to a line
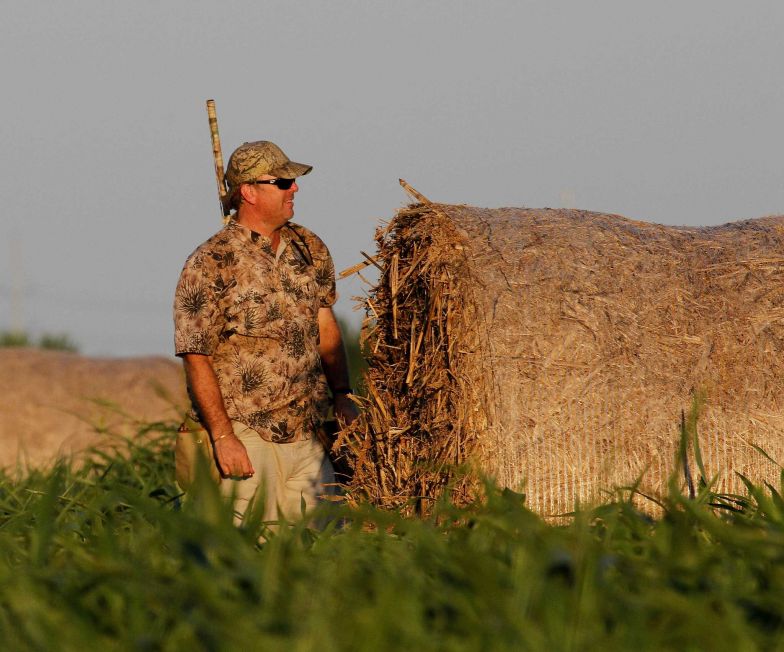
[288, 474]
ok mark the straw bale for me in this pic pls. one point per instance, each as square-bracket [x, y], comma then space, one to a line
[556, 349]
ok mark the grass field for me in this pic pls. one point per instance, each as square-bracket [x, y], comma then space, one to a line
[104, 557]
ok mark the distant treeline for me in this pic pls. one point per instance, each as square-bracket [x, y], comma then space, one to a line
[55, 342]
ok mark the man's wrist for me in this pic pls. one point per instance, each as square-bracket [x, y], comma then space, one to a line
[223, 436]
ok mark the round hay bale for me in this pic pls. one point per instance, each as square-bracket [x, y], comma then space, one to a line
[55, 404]
[555, 350]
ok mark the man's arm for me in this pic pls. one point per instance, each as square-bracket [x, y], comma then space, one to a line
[335, 365]
[230, 451]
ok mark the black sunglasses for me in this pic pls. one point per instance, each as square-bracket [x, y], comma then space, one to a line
[283, 184]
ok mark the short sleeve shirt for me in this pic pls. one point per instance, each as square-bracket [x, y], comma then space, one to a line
[255, 311]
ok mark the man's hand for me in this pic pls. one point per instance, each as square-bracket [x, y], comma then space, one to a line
[345, 410]
[232, 457]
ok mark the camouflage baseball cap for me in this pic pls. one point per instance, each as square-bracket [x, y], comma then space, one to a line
[250, 160]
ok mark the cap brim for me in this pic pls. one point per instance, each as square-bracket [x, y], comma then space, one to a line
[291, 170]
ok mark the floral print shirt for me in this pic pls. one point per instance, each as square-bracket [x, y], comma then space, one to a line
[255, 311]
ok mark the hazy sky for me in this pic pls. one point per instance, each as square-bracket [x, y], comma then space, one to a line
[662, 111]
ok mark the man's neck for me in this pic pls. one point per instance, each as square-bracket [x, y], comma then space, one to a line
[259, 226]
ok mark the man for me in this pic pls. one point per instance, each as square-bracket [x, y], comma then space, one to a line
[259, 341]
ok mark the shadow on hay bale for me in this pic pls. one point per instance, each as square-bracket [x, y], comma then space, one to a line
[555, 350]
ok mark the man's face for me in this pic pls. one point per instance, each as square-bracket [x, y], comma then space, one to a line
[273, 205]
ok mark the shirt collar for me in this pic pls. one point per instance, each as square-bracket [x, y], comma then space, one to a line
[263, 242]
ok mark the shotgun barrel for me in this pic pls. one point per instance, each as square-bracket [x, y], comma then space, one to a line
[217, 155]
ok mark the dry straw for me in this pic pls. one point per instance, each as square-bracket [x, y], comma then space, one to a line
[556, 349]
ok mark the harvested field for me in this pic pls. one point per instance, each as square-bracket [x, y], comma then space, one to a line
[556, 349]
[54, 403]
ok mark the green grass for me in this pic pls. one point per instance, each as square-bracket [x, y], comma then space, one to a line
[357, 363]
[105, 557]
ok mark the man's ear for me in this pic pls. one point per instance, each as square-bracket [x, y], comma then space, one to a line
[248, 193]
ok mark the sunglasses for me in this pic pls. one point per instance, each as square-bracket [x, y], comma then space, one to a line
[283, 184]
